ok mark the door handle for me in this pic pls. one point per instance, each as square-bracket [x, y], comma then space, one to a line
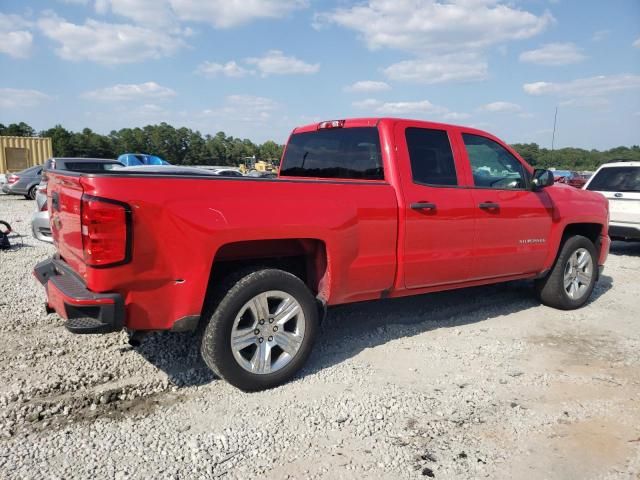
[488, 205]
[423, 206]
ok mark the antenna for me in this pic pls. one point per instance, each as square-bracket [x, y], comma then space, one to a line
[553, 138]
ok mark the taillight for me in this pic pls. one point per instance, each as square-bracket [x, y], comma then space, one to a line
[12, 179]
[105, 230]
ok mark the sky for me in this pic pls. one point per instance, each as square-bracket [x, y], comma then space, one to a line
[258, 68]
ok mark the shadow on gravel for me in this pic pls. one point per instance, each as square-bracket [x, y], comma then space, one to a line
[178, 355]
[625, 248]
[349, 329]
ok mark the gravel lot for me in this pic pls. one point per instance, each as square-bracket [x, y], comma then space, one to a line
[477, 383]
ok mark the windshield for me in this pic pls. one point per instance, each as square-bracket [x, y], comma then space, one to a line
[616, 179]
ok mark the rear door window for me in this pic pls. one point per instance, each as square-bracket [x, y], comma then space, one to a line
[616, 179]
[350, 153]
[431, 157]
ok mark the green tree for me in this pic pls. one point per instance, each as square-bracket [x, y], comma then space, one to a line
[61, 140]
[17, 130]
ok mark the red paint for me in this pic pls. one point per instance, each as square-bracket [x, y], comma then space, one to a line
[362, 238]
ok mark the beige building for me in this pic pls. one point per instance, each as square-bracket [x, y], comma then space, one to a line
[18, 153]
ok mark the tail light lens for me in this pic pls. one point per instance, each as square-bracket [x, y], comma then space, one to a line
[106, 226]
[12, 179]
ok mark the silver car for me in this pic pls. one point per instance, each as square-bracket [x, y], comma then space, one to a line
[24, 182]
[40, 219]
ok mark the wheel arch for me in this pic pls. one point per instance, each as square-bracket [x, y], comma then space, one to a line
[306, 258]
[590, 230]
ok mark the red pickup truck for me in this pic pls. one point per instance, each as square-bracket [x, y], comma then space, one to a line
[362, 209]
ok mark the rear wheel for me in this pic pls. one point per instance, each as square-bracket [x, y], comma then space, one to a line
[573, 276]
[31, 195]
[262, 330]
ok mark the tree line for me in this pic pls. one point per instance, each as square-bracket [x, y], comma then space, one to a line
[179, 146]
[574, 158]
[183, 146]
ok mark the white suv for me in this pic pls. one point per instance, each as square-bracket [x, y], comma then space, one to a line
[620, 183]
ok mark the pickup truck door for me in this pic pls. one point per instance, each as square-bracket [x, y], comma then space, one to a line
[512, 222]
[436, 244]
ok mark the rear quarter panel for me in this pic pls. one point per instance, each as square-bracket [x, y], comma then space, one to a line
[180, 223]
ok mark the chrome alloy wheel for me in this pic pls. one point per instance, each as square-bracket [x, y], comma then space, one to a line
[578, 273]
[267, 332]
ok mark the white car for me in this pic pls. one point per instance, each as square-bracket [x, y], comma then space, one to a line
[620, 183]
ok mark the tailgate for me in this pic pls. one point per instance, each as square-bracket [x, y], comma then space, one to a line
[64, 196]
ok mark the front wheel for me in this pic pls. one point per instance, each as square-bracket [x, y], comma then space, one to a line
[262, 330]
[573, 276]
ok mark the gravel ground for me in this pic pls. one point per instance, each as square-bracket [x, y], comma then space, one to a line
[481, 382]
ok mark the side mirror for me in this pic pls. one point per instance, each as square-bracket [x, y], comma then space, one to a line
[541, 178]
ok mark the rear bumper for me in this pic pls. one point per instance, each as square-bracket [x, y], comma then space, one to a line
[40, 226]
[84, 310]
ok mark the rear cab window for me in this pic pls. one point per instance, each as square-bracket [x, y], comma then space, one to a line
[431, 157]
[336, 153]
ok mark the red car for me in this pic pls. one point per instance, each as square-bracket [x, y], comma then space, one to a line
[364, 209]
[574, 179]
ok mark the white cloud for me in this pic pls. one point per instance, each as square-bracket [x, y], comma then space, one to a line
[231, 13]
[600, 35]
[243, 108]
[399, 108]
[229, 69]
[130, 92]
[456, 116]
[446, 68]
[274, 62]
[15, 37]
[107, 43]
[367, 86]
[18, 98]
[554, 54]
[218, 13]
[501, 107]
[369, 103]
[585, 102]
[585, 87]
[636, 43]
[144, 12]
[432, 26]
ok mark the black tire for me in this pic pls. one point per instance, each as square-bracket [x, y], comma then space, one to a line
[31, 195]
[551, 289]
[228, 300]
